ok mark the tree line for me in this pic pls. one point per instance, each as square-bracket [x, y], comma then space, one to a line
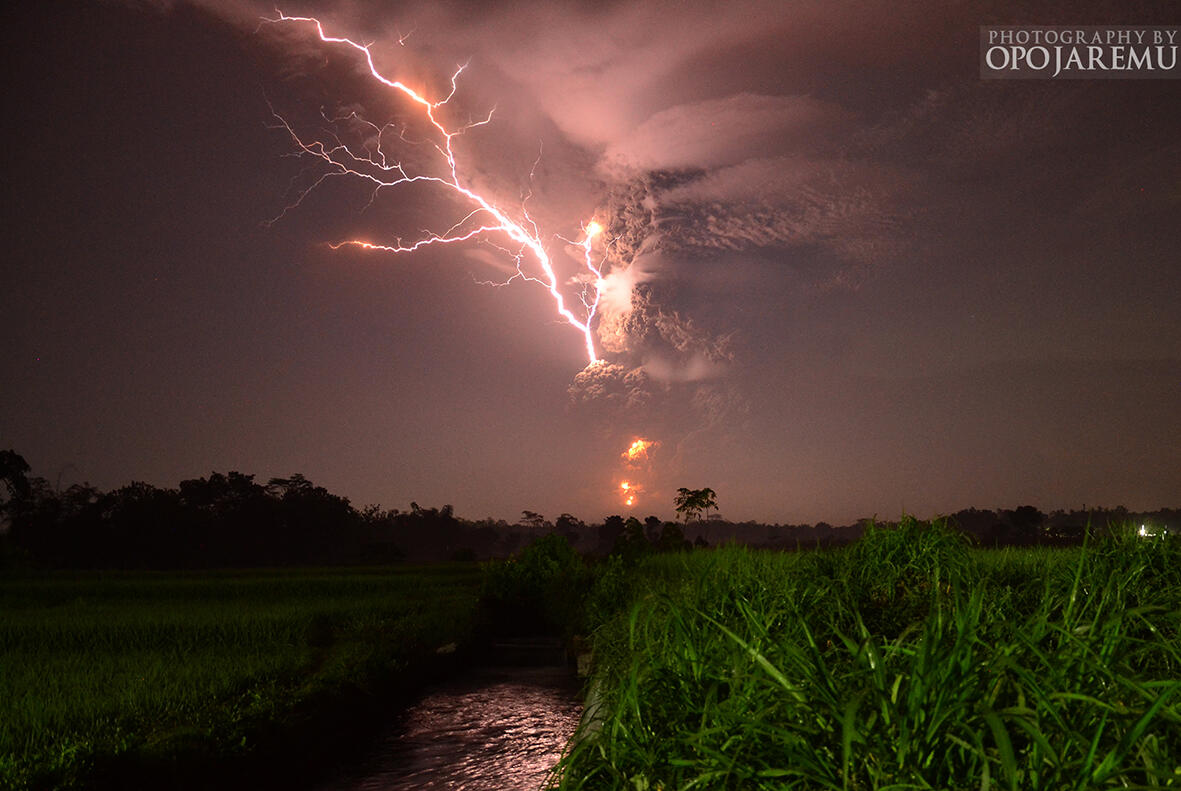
[230, 519]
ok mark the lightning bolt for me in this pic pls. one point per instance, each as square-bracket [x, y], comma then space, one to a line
[484, 220]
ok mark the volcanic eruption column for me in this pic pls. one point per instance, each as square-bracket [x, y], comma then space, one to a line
[484, 220]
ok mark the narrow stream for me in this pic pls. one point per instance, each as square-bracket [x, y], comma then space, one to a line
[496, 728]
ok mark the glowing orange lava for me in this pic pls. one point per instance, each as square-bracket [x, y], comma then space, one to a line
[638, 450]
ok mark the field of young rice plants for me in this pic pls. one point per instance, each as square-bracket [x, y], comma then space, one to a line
[906, 661]
[97, 667]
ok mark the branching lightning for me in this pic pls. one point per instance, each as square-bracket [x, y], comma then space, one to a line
[484, 220]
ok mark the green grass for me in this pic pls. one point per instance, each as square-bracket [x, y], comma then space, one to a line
[95, 666]
[906, 661]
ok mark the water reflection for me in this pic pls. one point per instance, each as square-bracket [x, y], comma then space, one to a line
[496, 729]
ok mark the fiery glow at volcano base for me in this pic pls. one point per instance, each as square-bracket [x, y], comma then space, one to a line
[629, 493]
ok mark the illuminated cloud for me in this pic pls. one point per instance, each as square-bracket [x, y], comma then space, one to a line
[722, 132]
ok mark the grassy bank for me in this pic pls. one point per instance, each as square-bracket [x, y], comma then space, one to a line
[102, 674]
[906, 661]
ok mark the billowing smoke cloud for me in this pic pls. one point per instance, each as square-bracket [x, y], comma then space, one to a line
[651, 332]
[612, 384]
[651, 346]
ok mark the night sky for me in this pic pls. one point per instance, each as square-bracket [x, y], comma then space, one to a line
[848, 277]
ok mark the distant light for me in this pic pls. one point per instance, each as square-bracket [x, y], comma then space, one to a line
[1154, 531]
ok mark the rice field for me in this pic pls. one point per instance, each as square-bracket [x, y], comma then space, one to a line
[906, 661]
[98, 666]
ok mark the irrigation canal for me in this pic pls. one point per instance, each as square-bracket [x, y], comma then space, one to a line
[501, 726]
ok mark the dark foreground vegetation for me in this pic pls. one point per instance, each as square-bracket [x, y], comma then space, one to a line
[162, 680]
[905, 661]
[909, 659]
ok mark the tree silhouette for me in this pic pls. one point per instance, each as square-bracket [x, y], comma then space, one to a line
[14, 485]
[652, 527]
[691, 503]
[14, 471]
[672, 538]
[609, 533]
[570, 527]
[631, 543]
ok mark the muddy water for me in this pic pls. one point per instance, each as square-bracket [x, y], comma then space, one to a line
[499, 728]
